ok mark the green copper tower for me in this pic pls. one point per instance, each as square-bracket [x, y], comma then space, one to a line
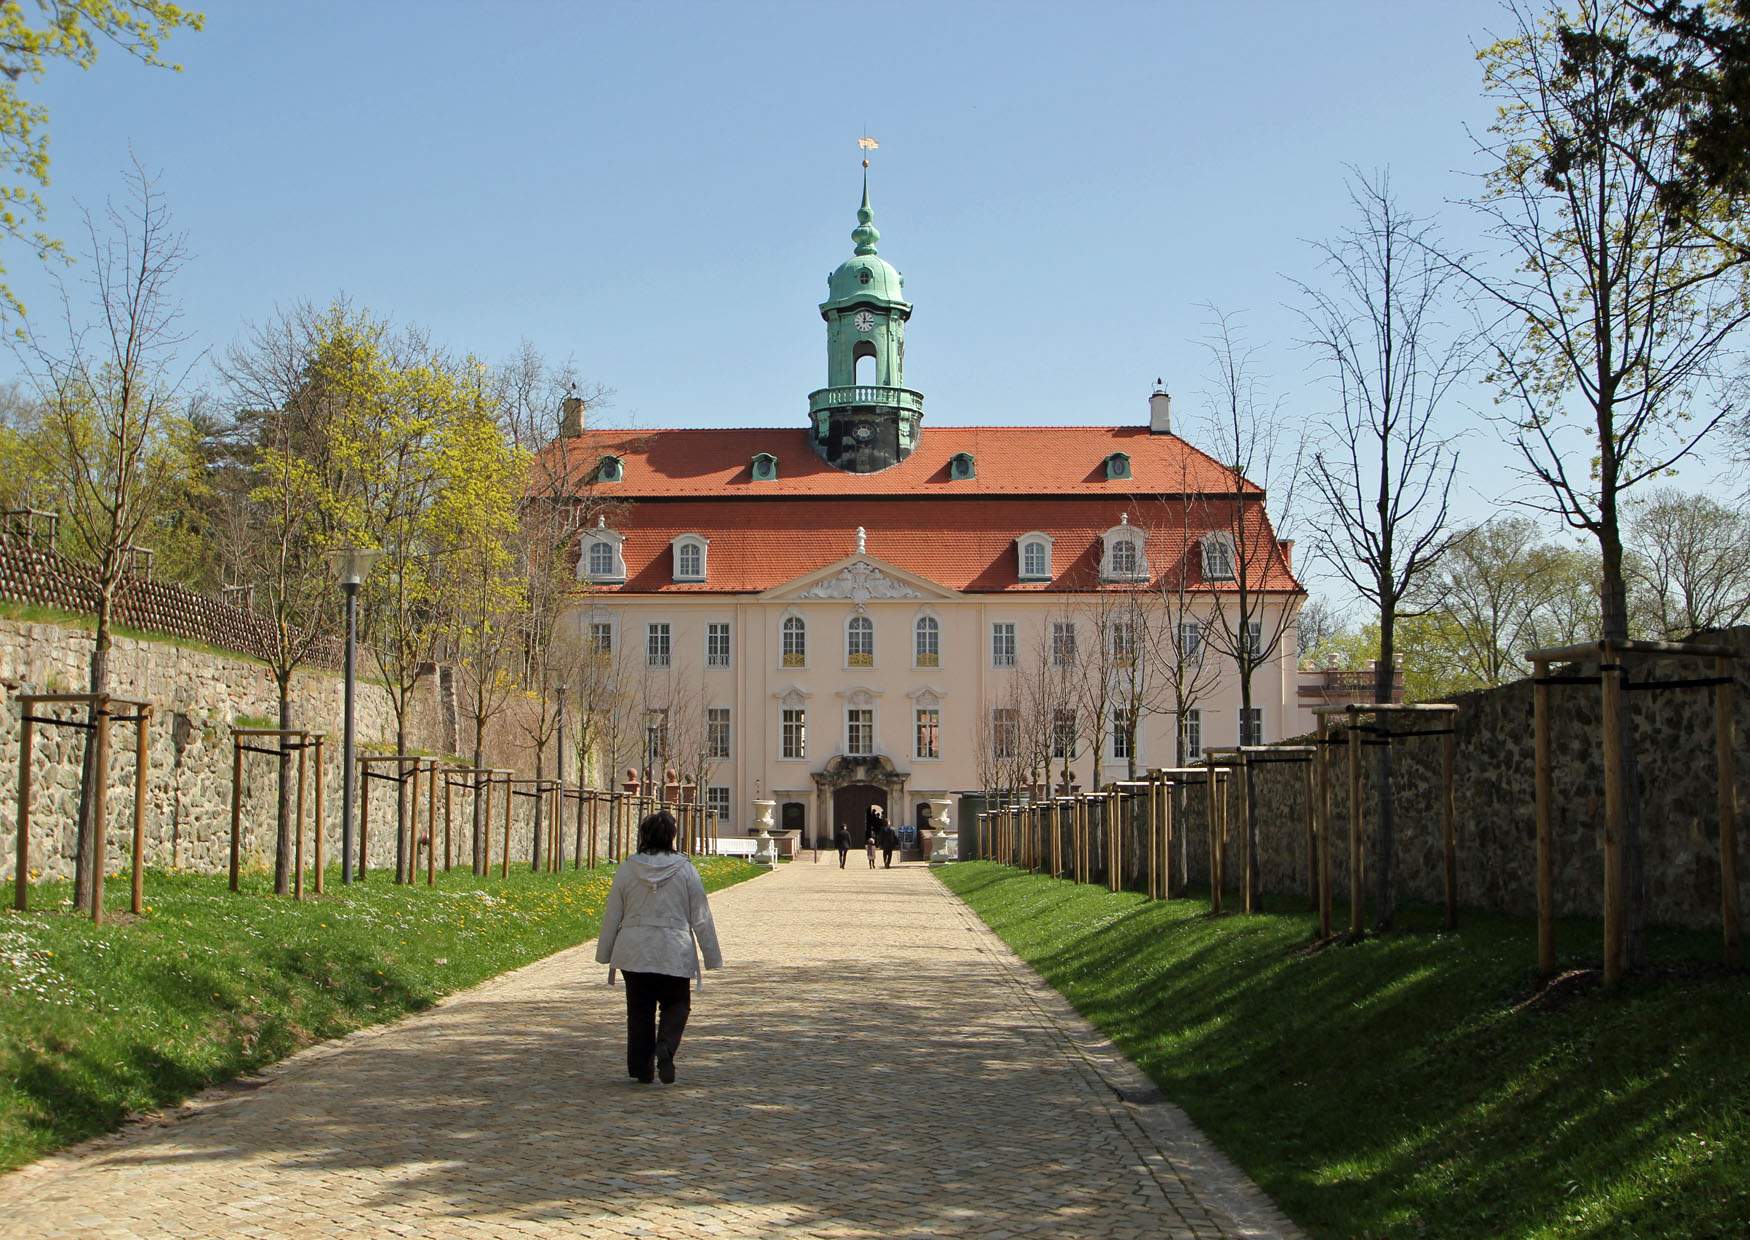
[868, 421]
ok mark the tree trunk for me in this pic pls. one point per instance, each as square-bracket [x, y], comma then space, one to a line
[1384, 883]
[1613, 606]
[479, 811]
[447, 709]
[540, 801]
[86, 832]
[402, 872]
[1256, 898]
[282, 849]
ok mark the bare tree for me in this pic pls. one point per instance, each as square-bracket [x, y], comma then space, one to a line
[1383, 471]
[1246, 569]
[1689, 563]
[284, 376]
[109, 398]
[1612, 310]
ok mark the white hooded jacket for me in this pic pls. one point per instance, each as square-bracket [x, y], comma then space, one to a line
[655, 909]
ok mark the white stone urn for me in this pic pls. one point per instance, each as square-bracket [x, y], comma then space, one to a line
[944, 839]
[767, 852]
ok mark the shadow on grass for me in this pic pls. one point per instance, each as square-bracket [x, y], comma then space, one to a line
[1399, 1085]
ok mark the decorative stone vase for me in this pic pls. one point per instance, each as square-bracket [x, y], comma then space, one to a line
[767, 852]
[944, 839]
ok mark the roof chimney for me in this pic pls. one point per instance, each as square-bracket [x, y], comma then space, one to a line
[571, 415]
[1160, 411]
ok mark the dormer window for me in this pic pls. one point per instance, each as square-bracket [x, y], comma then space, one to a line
[765, 467]
[1218, 557]
[1034, 551]
[1125, 558]
[1118, 465]
[689, 557]
[601, 558]
[610, 469]
[961, 465]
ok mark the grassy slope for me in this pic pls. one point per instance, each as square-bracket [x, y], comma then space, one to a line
[1401, 1087]
[96, 1023]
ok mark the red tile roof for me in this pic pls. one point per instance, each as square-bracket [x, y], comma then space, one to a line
[1010, 460]
[964, 544]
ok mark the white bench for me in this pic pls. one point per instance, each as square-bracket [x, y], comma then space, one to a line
[737, 847]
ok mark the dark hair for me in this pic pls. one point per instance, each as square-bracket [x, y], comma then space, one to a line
[656, 833]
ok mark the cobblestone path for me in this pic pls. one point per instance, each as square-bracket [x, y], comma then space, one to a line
[872, 1063]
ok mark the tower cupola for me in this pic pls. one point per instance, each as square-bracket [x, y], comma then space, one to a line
[865, 419]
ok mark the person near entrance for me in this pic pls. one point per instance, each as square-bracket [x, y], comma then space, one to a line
[656, 911]
[889, 842]
[842, 841]
[873, 825]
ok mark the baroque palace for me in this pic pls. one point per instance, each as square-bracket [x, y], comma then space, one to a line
[843, 612]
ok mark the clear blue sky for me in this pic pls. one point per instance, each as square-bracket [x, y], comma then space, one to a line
[658, 191]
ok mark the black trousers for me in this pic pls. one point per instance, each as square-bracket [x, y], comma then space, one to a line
[887, 857]
[644, 993]
[843, 853]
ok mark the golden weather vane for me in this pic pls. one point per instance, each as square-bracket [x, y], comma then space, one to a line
[866, 144]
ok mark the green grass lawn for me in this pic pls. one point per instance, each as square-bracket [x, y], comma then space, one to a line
[100, 1022]
[1405, 1086]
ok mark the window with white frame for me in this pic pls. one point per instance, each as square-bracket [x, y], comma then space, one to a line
[601, 637]
[717, 644]
[1035, 554]
[1121, 737]
[717, 732]
[1253, 639]
[1251, 725]
[1191, 642]
[1005, 731]
[657, 645]
[929, 732]
[1218, 558]
[860, 642]
[1002, 644]
[928, 642]
[1063, 643]
[793, 728]
[1191, 735]
[717, 802]
[795, 642]
[1124, 557]
[689, 558]
[859, 731]
[601, 558]
[1063, 733]
[1122, 635]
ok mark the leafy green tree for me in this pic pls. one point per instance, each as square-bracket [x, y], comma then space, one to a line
[70, 32]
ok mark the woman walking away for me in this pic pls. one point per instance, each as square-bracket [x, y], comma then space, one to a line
[843, 842]
[656, 908]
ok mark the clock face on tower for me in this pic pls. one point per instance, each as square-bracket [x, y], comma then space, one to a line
[864, 321]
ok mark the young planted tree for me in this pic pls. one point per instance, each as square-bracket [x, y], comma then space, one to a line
[1613, 311]
[484, 587]
[290, 381]
[1245, 567]
[111, 397]
[413, 398]
[1383, 469]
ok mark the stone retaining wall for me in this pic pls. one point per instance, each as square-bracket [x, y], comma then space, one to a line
[198, 695]
[1495, 813]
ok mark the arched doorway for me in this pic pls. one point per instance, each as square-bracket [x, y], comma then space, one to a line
[850, 809]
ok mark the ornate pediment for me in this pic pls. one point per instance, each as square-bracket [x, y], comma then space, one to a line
[860, 581]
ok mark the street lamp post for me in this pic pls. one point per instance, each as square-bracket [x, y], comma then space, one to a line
[351, 565]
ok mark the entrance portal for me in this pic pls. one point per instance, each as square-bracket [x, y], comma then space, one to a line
[850, 809]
